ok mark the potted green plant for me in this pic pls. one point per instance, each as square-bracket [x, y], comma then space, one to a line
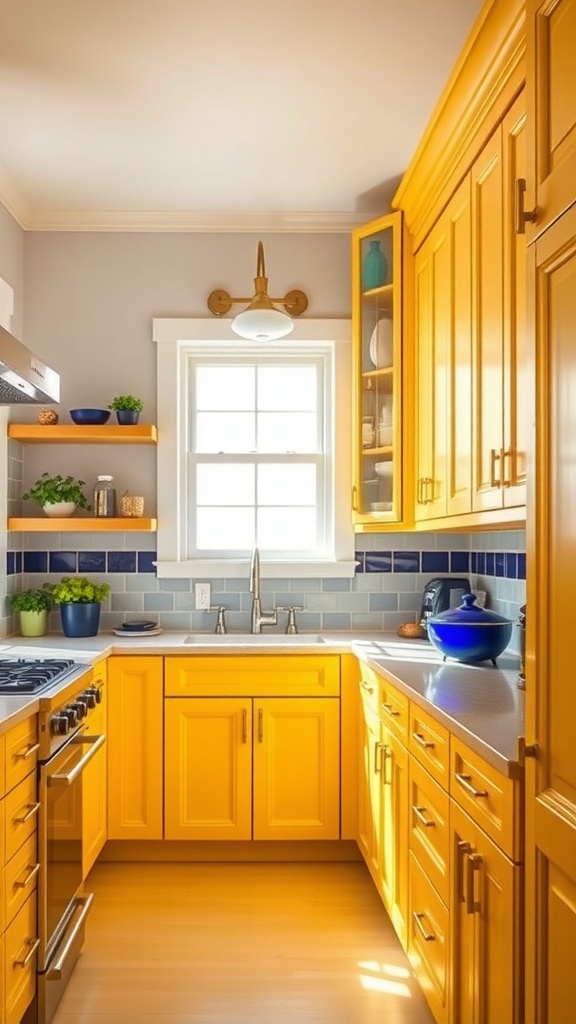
[33, 607]
[80, 602]
[127, 407]
[57, 495]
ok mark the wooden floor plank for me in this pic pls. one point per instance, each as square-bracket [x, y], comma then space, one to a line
[240, 944]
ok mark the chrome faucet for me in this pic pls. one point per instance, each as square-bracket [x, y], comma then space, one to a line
[258, 618]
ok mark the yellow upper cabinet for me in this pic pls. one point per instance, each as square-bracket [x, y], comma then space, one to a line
[551, 41]
[377, 330]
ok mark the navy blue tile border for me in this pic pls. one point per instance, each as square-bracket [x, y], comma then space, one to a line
[35, 561]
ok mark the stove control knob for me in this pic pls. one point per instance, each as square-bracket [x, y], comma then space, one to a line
[97, 692]
[81, 709]
[60, 725]
[89, 698]
[72, 715]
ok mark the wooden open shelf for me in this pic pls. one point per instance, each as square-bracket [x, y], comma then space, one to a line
[35, 433]
[84, 524]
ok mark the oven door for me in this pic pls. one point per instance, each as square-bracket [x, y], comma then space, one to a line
[62, 905]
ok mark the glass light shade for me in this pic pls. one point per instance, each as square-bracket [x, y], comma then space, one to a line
[262, 324]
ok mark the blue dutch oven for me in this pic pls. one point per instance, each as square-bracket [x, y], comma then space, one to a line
[470, 633]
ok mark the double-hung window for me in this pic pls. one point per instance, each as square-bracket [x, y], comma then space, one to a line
[253, 450]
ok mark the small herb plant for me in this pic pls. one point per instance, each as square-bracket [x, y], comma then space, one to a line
[32, 600]
[50, 489]
[127, 402]
[79, 590]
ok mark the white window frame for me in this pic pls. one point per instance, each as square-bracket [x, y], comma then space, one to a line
[175, 338]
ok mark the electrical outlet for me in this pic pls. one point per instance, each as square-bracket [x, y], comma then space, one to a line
[202, 592]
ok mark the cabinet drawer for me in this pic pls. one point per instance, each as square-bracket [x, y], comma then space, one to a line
[491, 799]
[20, 877]
[21, 812]
[429, 809]
[20, 962]
[429, 742]
[428, 943]
[369, 689]
[394, 709]
[21, 751]
[292, 675]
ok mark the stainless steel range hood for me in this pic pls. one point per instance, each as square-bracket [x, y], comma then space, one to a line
[24, 379]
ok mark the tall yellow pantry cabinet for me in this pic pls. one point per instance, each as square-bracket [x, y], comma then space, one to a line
[551, 695]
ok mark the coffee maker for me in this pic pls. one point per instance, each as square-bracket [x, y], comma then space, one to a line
[441, 594]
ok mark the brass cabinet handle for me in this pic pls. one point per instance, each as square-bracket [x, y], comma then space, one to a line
[508, 455]
[369, 689]
[377, 760]
[390, 710]
[462, 848]
[387, 755]
[244, 725]
[32, 810]
[427, 936]
[474, 862]
[33, 943]
[464, 781]
[355, 499]
[260, 725]
[521, 216]
[495, 456]
[427, 744]
[32, 872]
[419, 491]
[22, 755]
[419, 813]
[429, 483]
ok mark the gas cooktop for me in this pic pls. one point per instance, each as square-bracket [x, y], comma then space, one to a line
[31, 675]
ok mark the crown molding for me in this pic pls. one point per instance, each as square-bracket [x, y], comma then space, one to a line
[13, 200]
[85, 220]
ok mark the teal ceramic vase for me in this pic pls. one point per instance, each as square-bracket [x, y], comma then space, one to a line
[374, 267]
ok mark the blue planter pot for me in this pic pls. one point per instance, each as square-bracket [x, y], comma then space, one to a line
[127, 416]
[80, 619]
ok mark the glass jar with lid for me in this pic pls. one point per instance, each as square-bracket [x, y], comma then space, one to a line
[105, 496]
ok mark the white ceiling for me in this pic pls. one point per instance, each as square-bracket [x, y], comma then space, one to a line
[224, 114]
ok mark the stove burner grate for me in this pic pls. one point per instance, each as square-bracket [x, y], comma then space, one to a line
[22, 675]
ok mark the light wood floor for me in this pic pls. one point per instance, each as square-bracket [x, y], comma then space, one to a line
[239, 944]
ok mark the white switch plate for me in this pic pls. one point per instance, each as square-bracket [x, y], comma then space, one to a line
[202, 593]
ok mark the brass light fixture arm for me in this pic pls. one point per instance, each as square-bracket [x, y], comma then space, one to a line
[220, 301]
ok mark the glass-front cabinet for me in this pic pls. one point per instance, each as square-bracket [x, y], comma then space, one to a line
[377, 333]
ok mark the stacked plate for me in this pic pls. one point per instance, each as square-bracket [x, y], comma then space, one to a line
[138, 627]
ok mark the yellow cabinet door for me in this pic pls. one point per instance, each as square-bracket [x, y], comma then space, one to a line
[94, 784]
[443, 364]
[550, 695]
[370, 791]
[394, 831]
[551, 74]
[135, 735]
[485, 928]
[296, 768]
[208, 768]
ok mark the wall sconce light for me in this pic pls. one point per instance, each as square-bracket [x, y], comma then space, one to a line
[261, 320]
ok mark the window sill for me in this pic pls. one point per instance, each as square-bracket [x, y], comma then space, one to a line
[240, 569]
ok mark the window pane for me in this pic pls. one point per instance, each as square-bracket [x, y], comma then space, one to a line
[225, 432]
[287, 432]
[287, 529]
[287, 485]
[287, 387]
[225, 484]
[225, 387]
[228, 529]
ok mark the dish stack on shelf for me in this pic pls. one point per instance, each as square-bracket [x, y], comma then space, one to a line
[139, 627]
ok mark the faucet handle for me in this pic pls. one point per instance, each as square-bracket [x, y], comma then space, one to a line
[220, 621]
[291, 626]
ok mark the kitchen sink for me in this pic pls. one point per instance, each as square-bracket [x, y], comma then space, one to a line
[254, 639]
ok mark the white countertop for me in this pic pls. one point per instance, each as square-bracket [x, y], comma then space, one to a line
[481, 704]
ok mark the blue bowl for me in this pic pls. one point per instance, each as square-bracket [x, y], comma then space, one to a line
[89, 417]
[469, 633]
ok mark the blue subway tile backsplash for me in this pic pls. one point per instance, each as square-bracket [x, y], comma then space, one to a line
[435, 561]
[91, 561]
[63, 561]
[35, 561]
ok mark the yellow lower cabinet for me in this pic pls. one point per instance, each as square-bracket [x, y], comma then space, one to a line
[134, 744]
[94, 783]
[394, 832]
[20, 962]
[485, 925]
[296, 768]
[369, 835]
[208, 768]
[428, 941]
[247, 768]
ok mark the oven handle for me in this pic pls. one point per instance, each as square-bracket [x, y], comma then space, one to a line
[84, 902]
[66, 780]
